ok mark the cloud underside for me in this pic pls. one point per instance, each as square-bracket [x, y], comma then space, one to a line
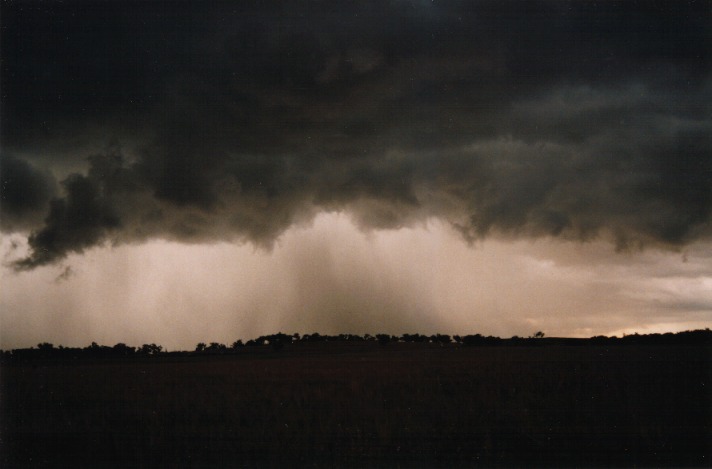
[569, 121]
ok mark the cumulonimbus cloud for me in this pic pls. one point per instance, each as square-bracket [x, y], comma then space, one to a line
[567, 120]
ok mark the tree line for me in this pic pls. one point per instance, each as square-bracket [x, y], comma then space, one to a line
[278, 341]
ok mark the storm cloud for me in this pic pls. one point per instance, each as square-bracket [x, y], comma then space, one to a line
[574, 120]
[26, 191]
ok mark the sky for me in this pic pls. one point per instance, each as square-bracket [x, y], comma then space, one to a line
[176, 172]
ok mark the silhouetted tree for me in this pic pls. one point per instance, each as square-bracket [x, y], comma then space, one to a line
[599, 339]
[200, 347]
[150, 349]
[414, 338]
[215, 347]
[315, 337]
[45, 349]
[383, 339]
[96, 350]
[472, 340]
[440, 339]
[279, 340]
[123, 349]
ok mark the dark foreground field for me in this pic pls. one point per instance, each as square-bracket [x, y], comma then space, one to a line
[364, 405]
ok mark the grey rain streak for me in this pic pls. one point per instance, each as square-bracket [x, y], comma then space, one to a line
[235, 121]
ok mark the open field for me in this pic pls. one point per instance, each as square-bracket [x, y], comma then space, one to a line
[364, 405]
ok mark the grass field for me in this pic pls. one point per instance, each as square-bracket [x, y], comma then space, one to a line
[365, 405]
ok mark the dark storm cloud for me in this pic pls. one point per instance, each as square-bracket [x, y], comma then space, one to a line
[26, 192]
[79, 220]
[574, 120]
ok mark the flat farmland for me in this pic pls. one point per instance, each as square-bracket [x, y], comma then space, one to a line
[364, 405]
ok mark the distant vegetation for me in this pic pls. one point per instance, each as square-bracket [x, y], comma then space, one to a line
[362, 401]
[278, 342]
